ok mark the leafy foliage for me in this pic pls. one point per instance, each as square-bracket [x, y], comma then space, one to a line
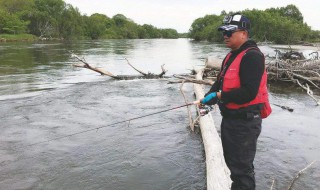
[11, 24]
[282, 25]
[56, 19]
[206, 28]
[71, 27]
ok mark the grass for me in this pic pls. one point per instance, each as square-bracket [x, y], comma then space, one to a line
[17, 37]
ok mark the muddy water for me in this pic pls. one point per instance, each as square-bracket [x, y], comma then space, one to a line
[43, 97]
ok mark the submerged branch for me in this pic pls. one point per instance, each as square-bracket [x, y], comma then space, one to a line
[271, 188]
[284, 107]
[298, 175]
[144, 74]
[309, 91]
[86, 65]
[190, 80]
[191, 123]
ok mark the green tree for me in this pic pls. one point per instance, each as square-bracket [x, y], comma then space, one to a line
[120, 20]
[290, 11]
[72, 25]
[270, 25]
[280, 25]
[151, 31]
[96, 25]
[169, 33]
[205, 28]
[11, 24]
[125, 27]
[17, 6]
[46, 17]
[142, 33]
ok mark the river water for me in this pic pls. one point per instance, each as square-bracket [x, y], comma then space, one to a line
[43, 97]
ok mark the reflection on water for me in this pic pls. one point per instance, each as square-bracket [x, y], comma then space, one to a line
[43, 97]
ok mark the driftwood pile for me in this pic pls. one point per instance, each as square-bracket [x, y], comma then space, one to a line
[293, 67]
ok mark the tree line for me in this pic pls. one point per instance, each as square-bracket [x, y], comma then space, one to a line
[283, 25]
[56, 19]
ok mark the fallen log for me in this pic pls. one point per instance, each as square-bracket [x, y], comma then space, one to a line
[98, 70]
[189, 80]
[213, 63]
[101, 71]
[217, 171]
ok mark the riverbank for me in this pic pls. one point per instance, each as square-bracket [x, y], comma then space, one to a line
[30, 37]
[17, 37]
[315, 47]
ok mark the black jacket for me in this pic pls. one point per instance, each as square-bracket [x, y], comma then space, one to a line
[251, 70]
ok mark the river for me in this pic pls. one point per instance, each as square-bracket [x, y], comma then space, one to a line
[43, 97]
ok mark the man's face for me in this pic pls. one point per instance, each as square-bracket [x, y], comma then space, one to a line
[234, 39]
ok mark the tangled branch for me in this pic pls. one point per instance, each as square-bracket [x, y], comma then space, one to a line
[303, 72]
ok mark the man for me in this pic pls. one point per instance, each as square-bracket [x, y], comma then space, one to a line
[241, 93]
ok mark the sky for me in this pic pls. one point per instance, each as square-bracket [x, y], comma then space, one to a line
[179, 14]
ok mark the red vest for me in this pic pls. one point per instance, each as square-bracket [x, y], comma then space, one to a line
[232, 81]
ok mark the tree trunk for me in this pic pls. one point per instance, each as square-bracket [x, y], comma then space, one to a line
[217, 171]
[213, 63]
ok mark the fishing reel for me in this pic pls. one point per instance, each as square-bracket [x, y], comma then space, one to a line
[204, 109]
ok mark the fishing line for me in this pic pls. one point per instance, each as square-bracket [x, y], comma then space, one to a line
[97, 128]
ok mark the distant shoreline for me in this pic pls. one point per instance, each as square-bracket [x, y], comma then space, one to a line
[17, 38]
[315, 47]
[31, 38]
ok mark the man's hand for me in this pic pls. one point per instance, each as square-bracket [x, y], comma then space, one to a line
[197, 102]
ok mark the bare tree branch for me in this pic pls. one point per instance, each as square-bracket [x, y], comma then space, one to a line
[190, 80]
[191, 123]
[118, 77]
[86, 65]
[309, 92]
[144, 74]
[271, 188]
[298, 175]
[163, 71]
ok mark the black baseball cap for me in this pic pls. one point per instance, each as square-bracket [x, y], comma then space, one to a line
[234, 22]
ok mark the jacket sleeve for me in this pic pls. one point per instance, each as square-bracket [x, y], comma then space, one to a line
[251, 71]
[214, 88]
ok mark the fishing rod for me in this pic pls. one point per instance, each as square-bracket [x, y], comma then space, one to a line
[284, 107]
[97, 128]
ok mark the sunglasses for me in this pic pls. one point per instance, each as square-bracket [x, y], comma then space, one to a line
[229, 33]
